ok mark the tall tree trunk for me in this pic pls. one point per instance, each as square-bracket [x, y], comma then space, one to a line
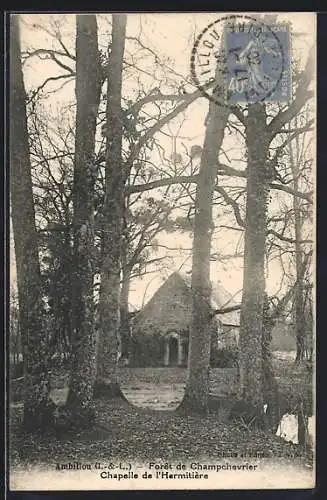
[299, 289]
[88, 86]
[68, 304]
[125, 329]
[113, 212]
[37, 405]
[197, 387]
[251, 321]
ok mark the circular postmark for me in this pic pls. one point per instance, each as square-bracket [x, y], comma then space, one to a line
[239, 59]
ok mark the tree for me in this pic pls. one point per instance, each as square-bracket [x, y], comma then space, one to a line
[112, 219]
[296, 158]
[250, 340]
[15, 341]
[260, 175]
[197, 387]
[38, 408]
[289, 234]
[79, 404]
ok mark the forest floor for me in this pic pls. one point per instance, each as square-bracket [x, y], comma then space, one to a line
[146, 428]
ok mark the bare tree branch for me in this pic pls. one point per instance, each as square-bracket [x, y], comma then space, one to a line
[181, 179]
[285, 238]
[289, 190]
[223, 170]
[232, 203]
[158, 96]
[37, 52]
[226, 310]
[50, 79]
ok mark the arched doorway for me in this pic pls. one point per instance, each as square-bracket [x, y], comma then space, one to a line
[174, 351]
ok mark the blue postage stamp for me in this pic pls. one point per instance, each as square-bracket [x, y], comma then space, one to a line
[258, 63]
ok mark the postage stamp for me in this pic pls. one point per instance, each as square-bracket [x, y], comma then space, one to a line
[239, 59]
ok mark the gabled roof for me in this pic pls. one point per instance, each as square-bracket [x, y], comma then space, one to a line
[220, 297]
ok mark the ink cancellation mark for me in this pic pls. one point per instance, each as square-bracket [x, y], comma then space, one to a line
[237, 59]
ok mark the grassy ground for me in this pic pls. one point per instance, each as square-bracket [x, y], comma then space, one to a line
[149, 429]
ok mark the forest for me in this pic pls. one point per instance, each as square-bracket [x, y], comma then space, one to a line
[106, 178]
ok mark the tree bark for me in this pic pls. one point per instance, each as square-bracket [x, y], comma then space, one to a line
[113, 212]
[251, 322]
[38, 408]
[125, 329]
[80, 404]
[197, 387]
[299, 289]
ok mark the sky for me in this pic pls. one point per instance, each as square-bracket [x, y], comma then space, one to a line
[172, 36]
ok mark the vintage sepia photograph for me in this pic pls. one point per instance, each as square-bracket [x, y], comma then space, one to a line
[162, 206]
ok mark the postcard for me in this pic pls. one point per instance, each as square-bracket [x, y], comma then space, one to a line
[162, 253]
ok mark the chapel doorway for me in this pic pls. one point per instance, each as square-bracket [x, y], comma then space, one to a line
[173, 350]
